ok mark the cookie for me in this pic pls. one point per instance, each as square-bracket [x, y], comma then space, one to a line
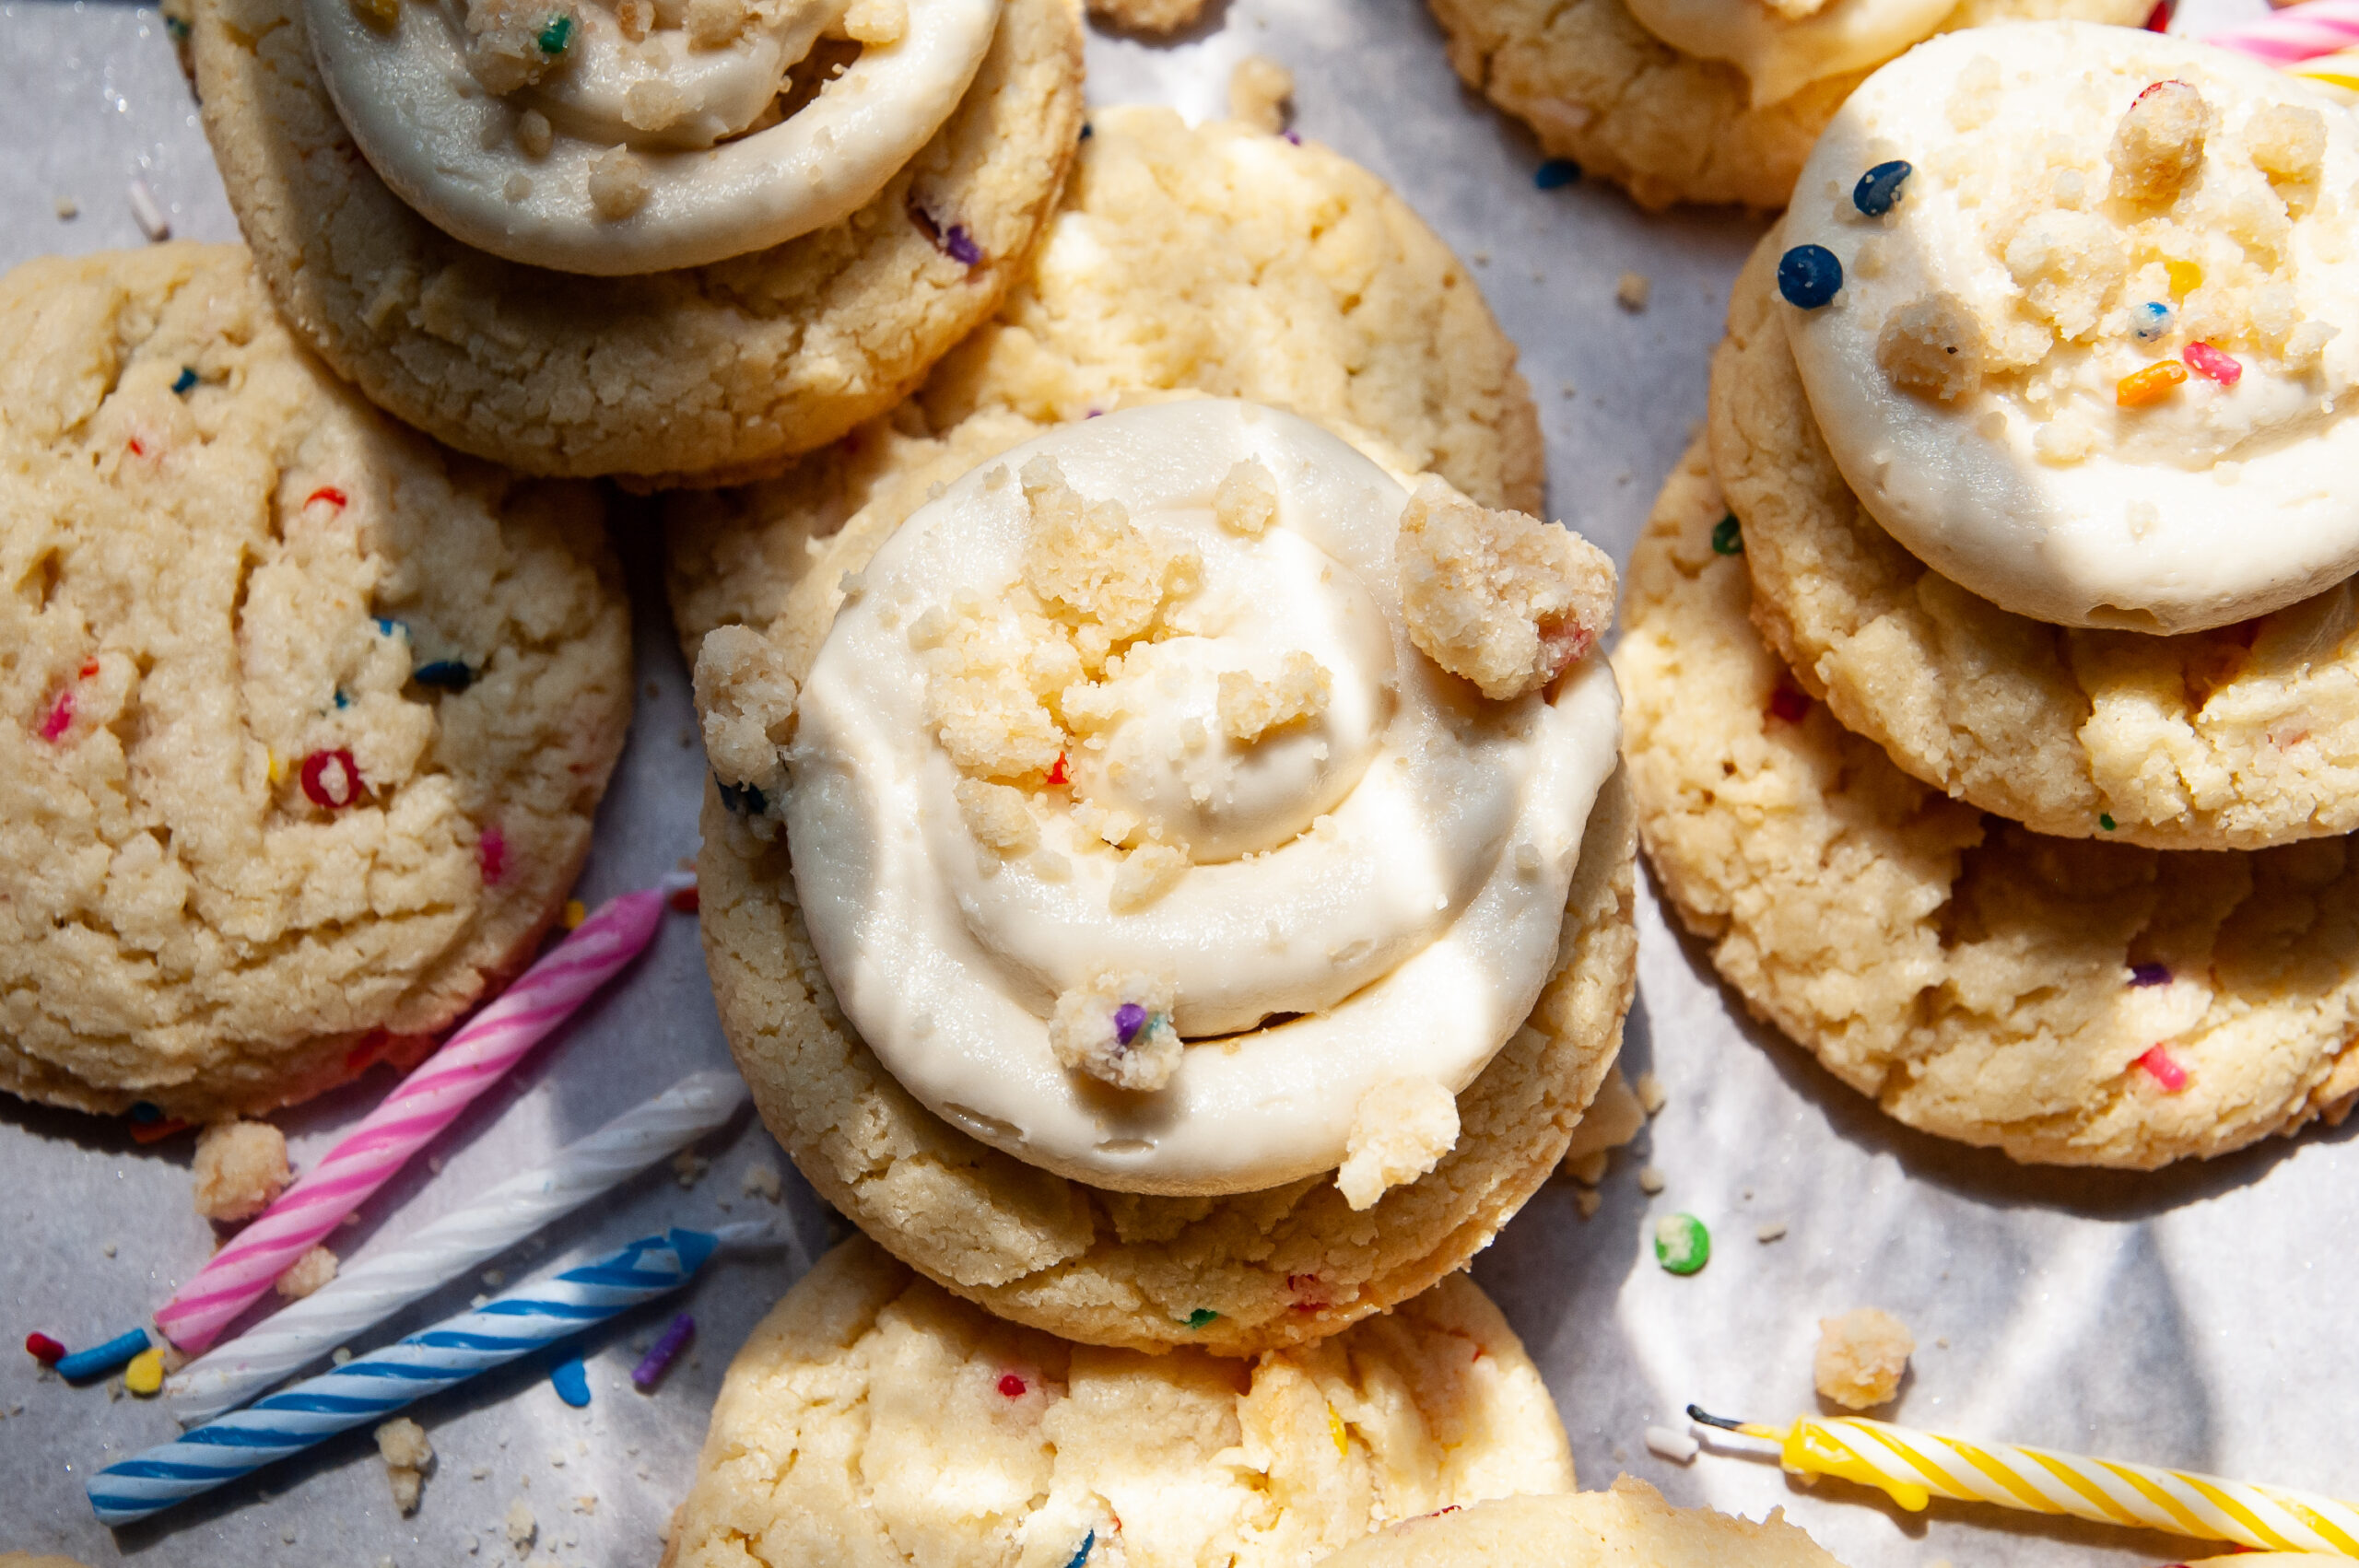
[309, 718]
[1629, 1527]
[1597, 87]
[726, 368]
[1216, 259]
[2067, 1002]
[2236, 737]
[874, 1417]
[1147, 16]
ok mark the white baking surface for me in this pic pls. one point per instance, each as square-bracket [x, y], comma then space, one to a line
[2195, 1317]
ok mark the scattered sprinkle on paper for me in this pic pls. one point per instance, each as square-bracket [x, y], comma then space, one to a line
[1650, 1180]
[68, 209]
[1768, 1233]
[1672, 1443]
[150, 215]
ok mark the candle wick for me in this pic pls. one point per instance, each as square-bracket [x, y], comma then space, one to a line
[1697, 1413]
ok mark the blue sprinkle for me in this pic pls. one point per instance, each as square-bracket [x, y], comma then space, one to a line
[449, 674]
[1879, 189]
[1809, 275]
[392, 628]
[1087, 131]
[2151, 323]
[1082, 1556]
[1556, 174]
[571, 1380]
[147, 1112]
[744, 800]
[102, 1358]
[185, 382]
[2150, 974]
[342, 700]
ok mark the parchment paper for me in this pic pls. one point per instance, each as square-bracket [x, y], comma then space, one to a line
[2197, 1317]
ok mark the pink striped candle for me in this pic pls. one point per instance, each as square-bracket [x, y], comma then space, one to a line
[424, 1104]
[2296, 34]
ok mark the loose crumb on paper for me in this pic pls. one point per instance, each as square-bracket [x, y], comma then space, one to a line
[1769, 1233]
[1861, 1357]
[240, 1168]
[688, 1167]
[762, 1180]
[403, 1444]
[1653, 1097]
[520, 1527]
[1632, 290]
[1259, 91]
[306, 1274]
[1651, 1180]
[147, 212]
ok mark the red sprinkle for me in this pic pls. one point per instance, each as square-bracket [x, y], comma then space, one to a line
[2151, 88]
[43, 1349]
[491, 854]
[61, 717]
[1061, 774]
[2159, 18]
[136, 450]
[684, 899]
[2212, 364]
[2167, 1072]
[1789, 705]
[90, 668]
[327, 493]
[1012, 1386]
[332, 778]
[151, 1131]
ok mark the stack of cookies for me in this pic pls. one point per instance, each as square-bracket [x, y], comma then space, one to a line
[1988, 663]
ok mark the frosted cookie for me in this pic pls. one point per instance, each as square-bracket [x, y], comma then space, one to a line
[1701, 100]
[308, 718]
[2070, 1002]
[1969, 556]
[1152, 965]
[1629, 1527]
[874, 1417]
[621, 236]
[1212, 258]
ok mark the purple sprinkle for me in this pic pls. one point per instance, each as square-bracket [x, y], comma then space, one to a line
[1290, 136]
[2150, 974]
[960, 246]
[660, 1355]
[1128, 1019]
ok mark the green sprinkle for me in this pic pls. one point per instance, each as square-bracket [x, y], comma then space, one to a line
[176, 28]
[2105, 821]
[1682, 1244]
[1727, 536]
[1200, 1316]
[555, 36]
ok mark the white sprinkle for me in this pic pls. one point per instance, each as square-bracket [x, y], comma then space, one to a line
[149, 214]
[107, 1249]
[494, 1278]
[1768, 1233]
[1672, 1443]
[343, 1353]
[1650, 1180]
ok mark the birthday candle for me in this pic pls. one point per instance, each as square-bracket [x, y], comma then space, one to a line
[375, 1288]
[1914, 1467]
[2297, 32]
[420, 1106]
[2337, 72]
[374, 1386]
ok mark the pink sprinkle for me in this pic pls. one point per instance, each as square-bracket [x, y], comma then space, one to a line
[2212, 364]
[491, 854]
[1012, 1386]
[2167, 1072]
[61, 717]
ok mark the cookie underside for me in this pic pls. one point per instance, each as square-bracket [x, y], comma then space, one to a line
[2236, 737]
[1977, 980]
[706, 372]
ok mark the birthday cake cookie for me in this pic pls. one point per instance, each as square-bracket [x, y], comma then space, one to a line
[1701, 100]
[624, 237]
[1215, 258]
[1628, 1527]
[1177, 891]
[867, 1386]
[2058, 498]
[309, 718]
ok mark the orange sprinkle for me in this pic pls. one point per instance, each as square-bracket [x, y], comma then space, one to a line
[149, 1131]
[2151, 384]
[575, 913]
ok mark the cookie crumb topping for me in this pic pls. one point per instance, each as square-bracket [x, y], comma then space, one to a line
[1400, 1131]
[1117, 1028]
[1499, 597]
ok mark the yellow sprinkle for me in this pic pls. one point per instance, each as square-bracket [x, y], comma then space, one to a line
[146, 1373]
[2186, 276]
[574, 913]
[277, 768]
[1336, 1431]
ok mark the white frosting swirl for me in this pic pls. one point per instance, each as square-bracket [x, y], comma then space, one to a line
[674, 127]
[1370, 894]
[1783, 49]
[1969, 378]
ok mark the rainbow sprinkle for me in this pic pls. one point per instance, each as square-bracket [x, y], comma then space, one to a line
[660, 1355]
[2162, 1070]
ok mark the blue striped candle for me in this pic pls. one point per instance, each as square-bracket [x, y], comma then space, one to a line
[373, 1386]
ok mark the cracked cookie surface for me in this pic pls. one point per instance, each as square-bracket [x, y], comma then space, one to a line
[307, 718]
[705, 372]
[1977, 980]
[2236, 737]
[1214, 259]
[1597, 87]
[867, 1386]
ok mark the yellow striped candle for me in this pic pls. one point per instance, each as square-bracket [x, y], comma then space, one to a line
[1915, 1467]
[2337, 73]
